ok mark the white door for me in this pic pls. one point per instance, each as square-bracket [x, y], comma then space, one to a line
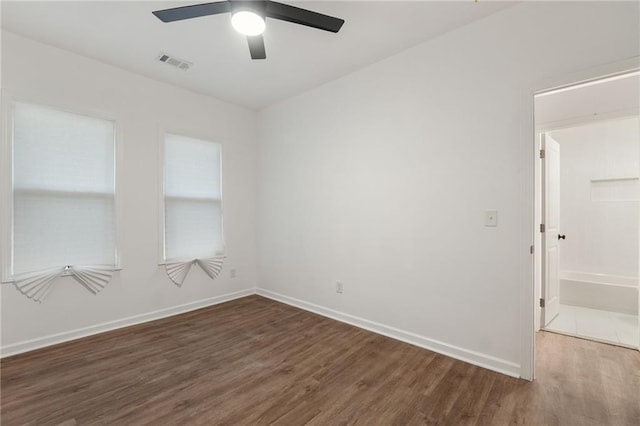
[551, 234]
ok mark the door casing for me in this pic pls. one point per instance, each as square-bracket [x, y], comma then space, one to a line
[529, 150]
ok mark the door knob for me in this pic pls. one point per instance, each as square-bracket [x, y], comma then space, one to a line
[561, 237]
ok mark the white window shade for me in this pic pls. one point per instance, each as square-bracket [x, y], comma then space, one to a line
[62, 229]
[63, 190]
[192, 168]
[193, 228]
[192, 205]
[60, 151]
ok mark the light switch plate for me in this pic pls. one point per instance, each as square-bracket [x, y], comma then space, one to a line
[491, 218]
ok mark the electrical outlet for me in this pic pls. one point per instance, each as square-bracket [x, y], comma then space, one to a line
[232, 273]
[338, 286]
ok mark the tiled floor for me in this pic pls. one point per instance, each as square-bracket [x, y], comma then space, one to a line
[595, 324]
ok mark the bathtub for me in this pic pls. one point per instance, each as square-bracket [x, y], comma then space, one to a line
[599, 291]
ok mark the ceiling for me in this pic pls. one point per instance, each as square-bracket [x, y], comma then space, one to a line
[127, 35]
[606, 97]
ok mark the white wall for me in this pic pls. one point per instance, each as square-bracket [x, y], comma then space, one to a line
[602, 236]
[381, 178]
[42, 74]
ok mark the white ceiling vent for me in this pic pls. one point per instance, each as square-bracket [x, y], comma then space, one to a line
[175, 62]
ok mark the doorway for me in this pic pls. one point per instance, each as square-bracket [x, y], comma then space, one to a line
[587, 207]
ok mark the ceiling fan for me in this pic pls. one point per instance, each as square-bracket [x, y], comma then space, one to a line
[248, 18]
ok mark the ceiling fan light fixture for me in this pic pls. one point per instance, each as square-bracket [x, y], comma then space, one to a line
[248, 16]
[248, 22]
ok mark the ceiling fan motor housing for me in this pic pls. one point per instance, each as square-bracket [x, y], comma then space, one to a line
[258, 7]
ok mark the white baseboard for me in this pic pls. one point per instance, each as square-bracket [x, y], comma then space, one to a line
[54, 339]
[472, 357]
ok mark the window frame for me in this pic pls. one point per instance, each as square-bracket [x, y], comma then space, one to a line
[162, 133]
[8, 100]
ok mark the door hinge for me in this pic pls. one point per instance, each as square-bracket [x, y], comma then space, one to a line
[542, 303]
[531, 249]
[542, 153]
[542, 227]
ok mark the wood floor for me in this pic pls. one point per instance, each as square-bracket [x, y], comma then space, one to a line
[255, 361]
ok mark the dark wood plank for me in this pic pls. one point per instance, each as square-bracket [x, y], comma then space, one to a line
[256, 361]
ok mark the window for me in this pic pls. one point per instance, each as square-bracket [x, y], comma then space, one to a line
[63, 190]
[192, 199]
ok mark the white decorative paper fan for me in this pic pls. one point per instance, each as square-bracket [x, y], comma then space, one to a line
[178, 271]
[93, 277]
[212, 266]
[36, 285]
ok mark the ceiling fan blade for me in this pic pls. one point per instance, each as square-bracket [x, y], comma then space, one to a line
[256, 47]
[306, 17]
[194, 11]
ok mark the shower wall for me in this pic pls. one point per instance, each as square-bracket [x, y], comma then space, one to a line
[599, 192]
